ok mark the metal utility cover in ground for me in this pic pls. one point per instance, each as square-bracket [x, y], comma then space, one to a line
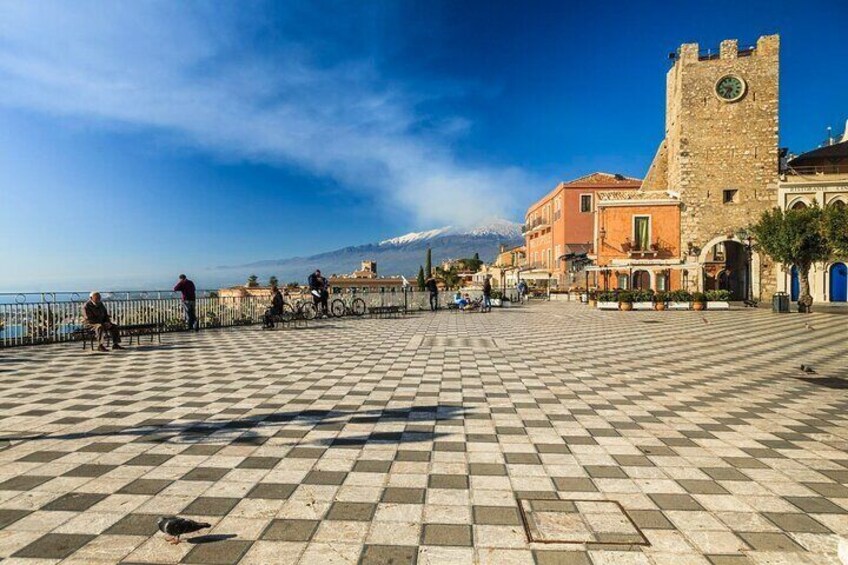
[579, 521]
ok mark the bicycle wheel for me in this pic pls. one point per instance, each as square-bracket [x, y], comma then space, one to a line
[337, 308]
[288, 313]
[307, 311]
[358, 307]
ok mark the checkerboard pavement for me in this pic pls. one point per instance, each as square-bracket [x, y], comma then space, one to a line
[412, 440]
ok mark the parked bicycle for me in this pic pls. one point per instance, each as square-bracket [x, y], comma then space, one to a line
[347, 306]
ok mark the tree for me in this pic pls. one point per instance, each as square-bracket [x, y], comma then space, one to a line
[420, 278]
[428, 265]
[836, 228]
[252, 281]
[796, 238]
[273, 281]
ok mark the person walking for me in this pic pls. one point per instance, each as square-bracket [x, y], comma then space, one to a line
[487, 294]
[96, 317]
[189, 298]
[522, 291]
[320, 294]
[431, 285]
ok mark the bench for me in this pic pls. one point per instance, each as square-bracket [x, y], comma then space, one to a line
[88, 336]
[385, 311]
[287, 320]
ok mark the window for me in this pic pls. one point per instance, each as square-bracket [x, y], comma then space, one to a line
[623, 281]
[641, 233]
[730, 196]
[799, 205]
[585, 202]
[662, 283]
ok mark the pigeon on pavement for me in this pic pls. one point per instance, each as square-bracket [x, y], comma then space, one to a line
[174, 526]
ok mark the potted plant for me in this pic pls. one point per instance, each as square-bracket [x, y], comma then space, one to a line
[497, 298]
[660, 299]
[699, 301]
[607, 300]
[643, 299]
[678, 300]
[718, 299]
[625, 301]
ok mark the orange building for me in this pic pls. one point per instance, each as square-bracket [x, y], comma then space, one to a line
[561, 224]
[637, 241]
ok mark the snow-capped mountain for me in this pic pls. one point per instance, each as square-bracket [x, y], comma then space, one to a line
[496, 228]
[400, 255]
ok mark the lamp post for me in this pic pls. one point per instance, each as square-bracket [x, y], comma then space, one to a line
[748, 242]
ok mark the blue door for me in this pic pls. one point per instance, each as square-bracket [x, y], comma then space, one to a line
[795, 287]
[838, 282]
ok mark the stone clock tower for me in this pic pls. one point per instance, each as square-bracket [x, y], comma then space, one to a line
[720, 151]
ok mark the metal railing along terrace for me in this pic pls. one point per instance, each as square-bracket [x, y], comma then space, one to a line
[52, 317]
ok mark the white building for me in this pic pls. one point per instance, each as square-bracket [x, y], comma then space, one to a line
[820, 176]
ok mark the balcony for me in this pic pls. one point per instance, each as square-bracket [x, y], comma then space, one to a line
[534, 225]
[635, 251]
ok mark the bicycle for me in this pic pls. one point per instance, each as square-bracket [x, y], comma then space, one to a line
[347, 306]
[302, 309]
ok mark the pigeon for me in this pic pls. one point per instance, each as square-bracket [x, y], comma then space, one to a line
[175, 527]
[807, 369]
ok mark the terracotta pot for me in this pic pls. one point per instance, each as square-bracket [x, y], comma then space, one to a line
[659, 306]
[699, 305]
[625, 306]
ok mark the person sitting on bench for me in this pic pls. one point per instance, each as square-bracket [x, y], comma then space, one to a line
[276, 310]
[96, 317]
[460, 300]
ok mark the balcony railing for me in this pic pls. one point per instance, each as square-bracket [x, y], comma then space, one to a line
[811, 170]
[535, 224]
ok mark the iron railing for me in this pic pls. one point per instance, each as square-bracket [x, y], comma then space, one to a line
[52, 317]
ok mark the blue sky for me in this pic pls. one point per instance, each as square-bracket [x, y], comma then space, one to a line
[142, 139]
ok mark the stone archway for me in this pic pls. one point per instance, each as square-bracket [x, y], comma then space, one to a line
[724, 265]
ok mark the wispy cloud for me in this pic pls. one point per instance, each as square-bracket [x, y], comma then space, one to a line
[192, 72]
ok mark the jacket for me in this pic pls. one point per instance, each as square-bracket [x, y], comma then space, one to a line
[94, 314]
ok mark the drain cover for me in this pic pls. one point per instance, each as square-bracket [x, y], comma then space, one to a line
[579, 521]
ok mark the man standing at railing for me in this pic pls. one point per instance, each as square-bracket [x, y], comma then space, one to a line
[96, 317]
[431, 285]
[186, 287]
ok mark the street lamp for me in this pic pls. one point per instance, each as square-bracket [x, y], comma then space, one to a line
[748, 242]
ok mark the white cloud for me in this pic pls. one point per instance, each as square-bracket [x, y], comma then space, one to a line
[189, 72]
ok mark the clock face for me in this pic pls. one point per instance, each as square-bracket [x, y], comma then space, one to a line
[730, 88]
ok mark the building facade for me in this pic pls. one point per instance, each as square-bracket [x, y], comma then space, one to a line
[717, 165]
[817, 177]
[561, 224]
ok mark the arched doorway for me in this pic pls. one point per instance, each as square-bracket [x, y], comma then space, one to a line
[838, 282]
[794, 285]
[641, 280]
[798, 205]
[726, 268]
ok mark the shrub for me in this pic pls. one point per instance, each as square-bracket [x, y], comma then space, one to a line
[717, 295]
[497, 295]
[646, 295]
[626, 297]
[679, 296]
[607, 296]
[661, 297]
[699, 297]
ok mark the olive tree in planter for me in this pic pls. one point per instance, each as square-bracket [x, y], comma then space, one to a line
[797, 238]
[836, 229]
[699, 301]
